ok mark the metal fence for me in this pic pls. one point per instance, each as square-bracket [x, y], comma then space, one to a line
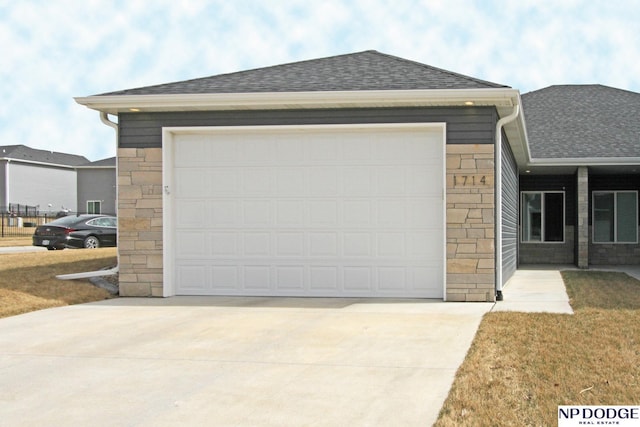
[17, 220]
[13, 225]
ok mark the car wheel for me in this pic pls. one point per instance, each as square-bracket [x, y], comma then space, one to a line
[91, 242]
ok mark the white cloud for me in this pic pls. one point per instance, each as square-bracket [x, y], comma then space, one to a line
[53, 51]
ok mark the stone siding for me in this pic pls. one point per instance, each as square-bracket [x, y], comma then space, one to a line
[140, 221]
[549, 253]
[613, 253]
[470, 223]
[582, 232]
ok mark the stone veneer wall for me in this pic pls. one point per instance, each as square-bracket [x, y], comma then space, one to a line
[549, 253]
[140, 221]
[613, 253]
[470, 223]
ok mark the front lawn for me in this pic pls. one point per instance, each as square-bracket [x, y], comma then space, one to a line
[15, 241]
[521, 366]
[28, 282]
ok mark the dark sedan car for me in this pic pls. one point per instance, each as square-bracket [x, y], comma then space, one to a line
[77, 231]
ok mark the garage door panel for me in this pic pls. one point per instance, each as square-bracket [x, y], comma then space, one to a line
[290, 213]
[256, 213]
[291, 182]
[290, 278]
[291, 244]
[353, 213]
[256, 244]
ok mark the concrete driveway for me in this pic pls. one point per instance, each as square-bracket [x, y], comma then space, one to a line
[219, 361]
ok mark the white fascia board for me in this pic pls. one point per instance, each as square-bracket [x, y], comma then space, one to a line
[586, 161]
[114, 104]
[32, 162]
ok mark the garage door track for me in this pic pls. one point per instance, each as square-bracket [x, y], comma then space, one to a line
[233, 362]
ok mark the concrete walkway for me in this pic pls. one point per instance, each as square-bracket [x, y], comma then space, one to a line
[216, 361]
[535, 289]
[540, 289]
[21, 249]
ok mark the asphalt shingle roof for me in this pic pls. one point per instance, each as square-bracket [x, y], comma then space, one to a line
[22, 152]
[368, 70]
[582, 121]
[108, 162]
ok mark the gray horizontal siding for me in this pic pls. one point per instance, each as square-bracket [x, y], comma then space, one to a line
[469, 125]
[509, 232]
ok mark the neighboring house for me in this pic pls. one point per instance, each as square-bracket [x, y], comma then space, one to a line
[40, 178]
[51, 181]
[97, 187]
[360, 175]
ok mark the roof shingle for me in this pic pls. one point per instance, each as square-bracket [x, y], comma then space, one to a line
[22, 152]
[368, 70]
[582, 121]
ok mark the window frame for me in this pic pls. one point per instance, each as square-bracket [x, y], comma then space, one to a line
[99, 202]
[615, 217]
[542, 216]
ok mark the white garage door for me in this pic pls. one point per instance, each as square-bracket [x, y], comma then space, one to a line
[305, 211]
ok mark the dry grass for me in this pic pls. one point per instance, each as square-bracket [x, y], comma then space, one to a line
[15, 241]
[28, 283]
[521, 366]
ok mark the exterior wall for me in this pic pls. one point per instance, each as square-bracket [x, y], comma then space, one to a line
[140, 221]
[582, 224]
[470, 223]
[510, 209]
[36, 185]
[470, 216]
[552, 253]
[465, 125]
[97, 184]
[4, 202]
[612, 253]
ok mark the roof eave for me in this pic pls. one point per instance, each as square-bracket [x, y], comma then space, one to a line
[586, 161]
[114, 104]
[503, 99]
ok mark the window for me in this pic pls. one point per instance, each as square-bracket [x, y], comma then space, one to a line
[615, 216]
[542, 216]
[94, 207]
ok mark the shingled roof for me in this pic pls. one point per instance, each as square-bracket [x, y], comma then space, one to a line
[24, 153]
[582, 121]
[103, 163]
[368, 70]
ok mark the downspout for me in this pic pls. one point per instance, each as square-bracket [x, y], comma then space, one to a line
[498, 196]
[7, 186]
[104, 118]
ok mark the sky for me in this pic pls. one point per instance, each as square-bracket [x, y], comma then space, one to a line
[54, 50]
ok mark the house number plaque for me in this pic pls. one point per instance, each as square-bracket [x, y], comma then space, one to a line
[472, 180]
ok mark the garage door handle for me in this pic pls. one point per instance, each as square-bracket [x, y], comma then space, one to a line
[166, 190]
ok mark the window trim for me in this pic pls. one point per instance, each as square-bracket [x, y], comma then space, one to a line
[94, 201]
[542, 219]
[615, 217]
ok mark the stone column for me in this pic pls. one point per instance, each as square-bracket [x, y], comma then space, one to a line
[140, 221]
[470, 223]
[582, 229]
